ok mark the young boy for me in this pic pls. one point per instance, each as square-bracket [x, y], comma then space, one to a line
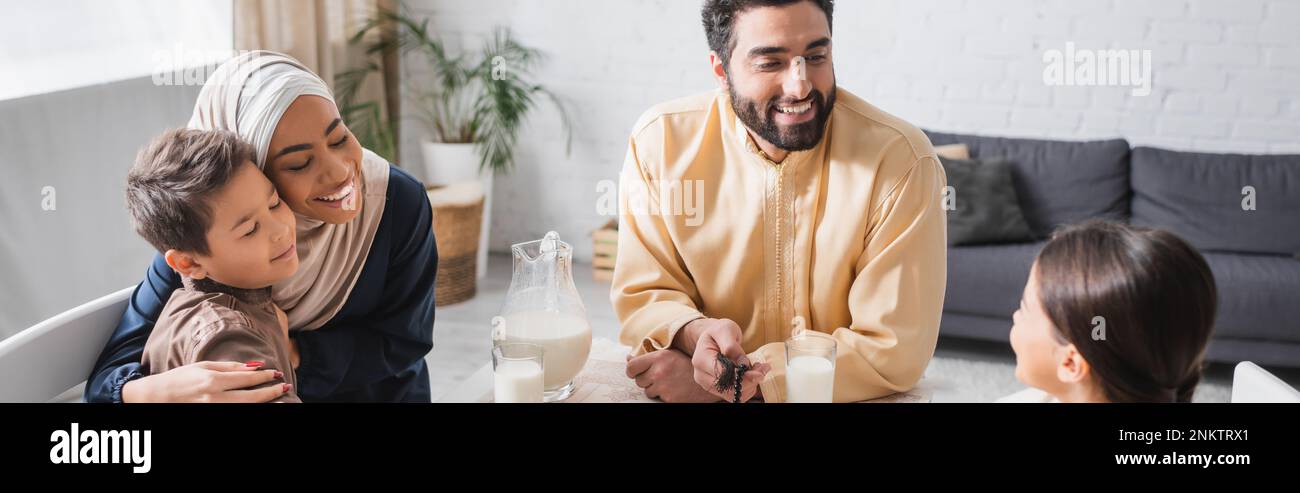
[198, 198]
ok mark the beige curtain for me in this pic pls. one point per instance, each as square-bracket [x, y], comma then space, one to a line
[316, 32]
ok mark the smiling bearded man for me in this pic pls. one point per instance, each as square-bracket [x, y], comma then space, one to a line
[816, 205]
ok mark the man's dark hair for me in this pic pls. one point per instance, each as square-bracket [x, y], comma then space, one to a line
[172, 180]
[720, 17]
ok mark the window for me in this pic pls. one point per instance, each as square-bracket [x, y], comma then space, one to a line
[54, 45]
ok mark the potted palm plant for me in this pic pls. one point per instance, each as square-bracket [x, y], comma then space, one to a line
[474, 106]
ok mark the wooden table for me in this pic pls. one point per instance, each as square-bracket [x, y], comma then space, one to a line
[604, 380]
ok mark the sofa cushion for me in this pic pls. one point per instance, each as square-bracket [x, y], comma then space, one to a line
[1199, 197]
[1058, 182]
[988, 279]
[1259, 296]
[984, 209]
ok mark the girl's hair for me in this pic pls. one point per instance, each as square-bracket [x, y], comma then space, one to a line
[1155, 295]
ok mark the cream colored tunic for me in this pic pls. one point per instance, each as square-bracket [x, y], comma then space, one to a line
[849, 235]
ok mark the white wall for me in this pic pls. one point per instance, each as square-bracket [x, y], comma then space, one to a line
[64, 44]
[77, 100]
[1226, 78]
[607, 67]
[81, 142]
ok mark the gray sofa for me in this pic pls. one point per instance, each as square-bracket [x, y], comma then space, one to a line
[1253, 254]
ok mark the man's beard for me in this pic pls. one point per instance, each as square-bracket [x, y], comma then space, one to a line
[798, 137]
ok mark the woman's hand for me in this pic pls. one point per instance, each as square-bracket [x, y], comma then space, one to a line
[206, 381]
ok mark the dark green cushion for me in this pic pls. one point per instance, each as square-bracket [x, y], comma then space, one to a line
[985, 207]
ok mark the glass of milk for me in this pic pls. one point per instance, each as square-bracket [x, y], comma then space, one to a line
[517, 372]
[809, 367]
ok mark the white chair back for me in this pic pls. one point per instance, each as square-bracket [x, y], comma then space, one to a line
[1250, 383]
[49, 358]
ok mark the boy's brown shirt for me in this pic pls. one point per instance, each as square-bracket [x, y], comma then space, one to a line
[208, 321]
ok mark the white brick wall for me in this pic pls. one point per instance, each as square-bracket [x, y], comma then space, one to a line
[1226, 78]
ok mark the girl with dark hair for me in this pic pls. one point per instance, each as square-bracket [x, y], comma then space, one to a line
[1113, 313]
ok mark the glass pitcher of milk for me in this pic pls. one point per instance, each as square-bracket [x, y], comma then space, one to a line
[542, 307]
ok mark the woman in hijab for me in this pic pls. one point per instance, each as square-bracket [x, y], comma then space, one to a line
[360, 307]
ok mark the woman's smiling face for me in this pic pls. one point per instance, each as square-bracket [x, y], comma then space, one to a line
[315, 161]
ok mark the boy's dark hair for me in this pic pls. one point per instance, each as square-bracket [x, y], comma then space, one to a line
[1157, 298]
[720, 17]
[168, 187]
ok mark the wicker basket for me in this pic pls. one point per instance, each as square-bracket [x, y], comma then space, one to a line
[457, 219]
[604, 249]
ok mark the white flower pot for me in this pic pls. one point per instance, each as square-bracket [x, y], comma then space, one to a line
[447, 164]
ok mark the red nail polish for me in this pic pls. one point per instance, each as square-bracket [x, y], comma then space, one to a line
[254, 364]
[285, 388]
[279, 374]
